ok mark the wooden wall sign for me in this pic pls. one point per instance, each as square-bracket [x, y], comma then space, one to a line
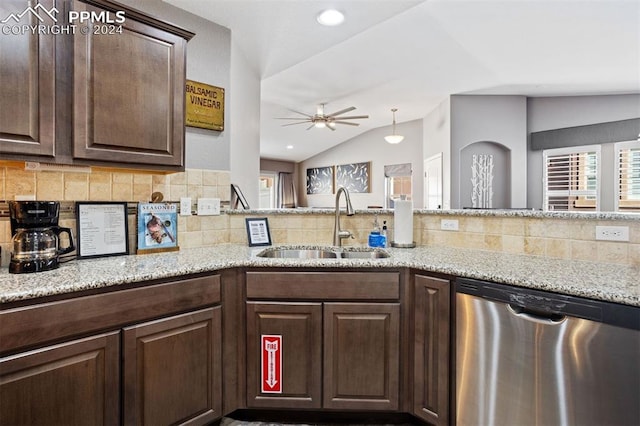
[204, 106]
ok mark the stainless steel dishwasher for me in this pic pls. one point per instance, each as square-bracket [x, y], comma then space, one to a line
[527, 357]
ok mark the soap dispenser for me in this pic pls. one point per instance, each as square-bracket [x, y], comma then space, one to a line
[383, 235]
[374, 235]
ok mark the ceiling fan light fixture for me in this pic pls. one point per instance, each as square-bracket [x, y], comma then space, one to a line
[330, 18]
[320, 124]
[394, 138]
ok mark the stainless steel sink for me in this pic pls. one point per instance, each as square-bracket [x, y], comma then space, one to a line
[364, 254]
[323, 253]
[295, 253]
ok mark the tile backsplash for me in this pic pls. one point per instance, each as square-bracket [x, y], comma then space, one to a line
[116, 185]
[549, 237]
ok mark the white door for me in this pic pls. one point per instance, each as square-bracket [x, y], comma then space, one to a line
[433, 182]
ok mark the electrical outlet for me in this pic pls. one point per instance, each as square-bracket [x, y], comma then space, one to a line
[612, 233]
[208, 206]
[185, 206]
[449, 224]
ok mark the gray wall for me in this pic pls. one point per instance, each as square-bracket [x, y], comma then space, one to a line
[437, 140]
[369, 146]
[498, 119]
[245, 126]
[547, 113]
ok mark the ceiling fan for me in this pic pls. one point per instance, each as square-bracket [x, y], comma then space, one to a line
[320, 119]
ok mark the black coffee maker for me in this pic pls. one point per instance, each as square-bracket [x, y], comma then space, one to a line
[35, 236]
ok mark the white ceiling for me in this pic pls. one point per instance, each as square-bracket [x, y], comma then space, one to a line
[411, 55]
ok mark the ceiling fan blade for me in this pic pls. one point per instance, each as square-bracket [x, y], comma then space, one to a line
[342, 111]
[301, 113]
[346, 122]
[311, 127]
[293, 124]
[353, 117]
[292, 118]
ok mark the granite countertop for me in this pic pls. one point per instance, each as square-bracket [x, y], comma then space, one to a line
[608, 282]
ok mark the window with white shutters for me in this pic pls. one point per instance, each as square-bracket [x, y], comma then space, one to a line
[628, 176]
[572, 178]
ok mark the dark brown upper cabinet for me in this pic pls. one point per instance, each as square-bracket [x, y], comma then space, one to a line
[27, 85]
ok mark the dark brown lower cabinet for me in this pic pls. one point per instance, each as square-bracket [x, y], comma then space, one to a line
[152, 356]
[334, 355]
[361, 356]
[432, 349]
[172, 370]
[300, 326]
[74, 383]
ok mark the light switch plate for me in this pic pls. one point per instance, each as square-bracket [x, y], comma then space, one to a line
[208, 206]
[185, 206]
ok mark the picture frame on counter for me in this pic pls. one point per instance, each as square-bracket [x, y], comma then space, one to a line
[157, 227]
[237, 198]
[258, 233]
[101, 229]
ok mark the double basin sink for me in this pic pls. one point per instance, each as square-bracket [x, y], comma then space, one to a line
[324, 253]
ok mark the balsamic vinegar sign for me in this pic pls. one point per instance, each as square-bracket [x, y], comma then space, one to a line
[204, 106]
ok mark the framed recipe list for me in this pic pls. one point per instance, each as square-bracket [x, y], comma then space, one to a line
[102, 229]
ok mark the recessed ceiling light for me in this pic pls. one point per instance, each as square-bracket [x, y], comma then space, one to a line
[330, 18]
[289, 146]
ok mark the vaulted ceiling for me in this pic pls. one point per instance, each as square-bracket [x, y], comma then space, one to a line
[411, 55]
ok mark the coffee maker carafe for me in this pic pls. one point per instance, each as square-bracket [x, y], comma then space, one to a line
[35, 236]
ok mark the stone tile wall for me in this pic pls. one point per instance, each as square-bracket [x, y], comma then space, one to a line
[558, 238]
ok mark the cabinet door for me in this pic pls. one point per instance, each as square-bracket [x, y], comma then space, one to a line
[361, 356]
[300, 328]
[74, 383]
[172, 370]
[129, 94]
[27, 79]
[431, 349]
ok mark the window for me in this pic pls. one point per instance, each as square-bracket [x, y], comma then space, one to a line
[627, 176]
[398, 183]
[572, 178]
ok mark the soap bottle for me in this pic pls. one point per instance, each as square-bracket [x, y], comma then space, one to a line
[374, 235]
[383, 235]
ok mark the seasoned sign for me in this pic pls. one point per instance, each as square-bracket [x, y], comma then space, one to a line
[204, 106]
[271, 377]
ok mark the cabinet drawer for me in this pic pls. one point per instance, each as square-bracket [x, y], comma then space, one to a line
[31, 325]
[324, 285]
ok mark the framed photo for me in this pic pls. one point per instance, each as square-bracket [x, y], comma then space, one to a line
[204, 106]
[101, 229]
[258, 232]
[320, 180]
[238, 197]
[157, 227]
[355, 177]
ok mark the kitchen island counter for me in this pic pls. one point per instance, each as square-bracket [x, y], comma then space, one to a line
[600, 281]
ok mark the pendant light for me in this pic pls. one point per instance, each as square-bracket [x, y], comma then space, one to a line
[394, 138]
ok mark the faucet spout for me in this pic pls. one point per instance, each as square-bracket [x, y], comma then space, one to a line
[339, 234]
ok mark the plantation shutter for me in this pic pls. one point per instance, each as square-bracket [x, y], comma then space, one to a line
[628, 176]
[572, 178]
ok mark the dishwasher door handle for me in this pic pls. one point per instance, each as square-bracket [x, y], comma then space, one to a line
[536, 316]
